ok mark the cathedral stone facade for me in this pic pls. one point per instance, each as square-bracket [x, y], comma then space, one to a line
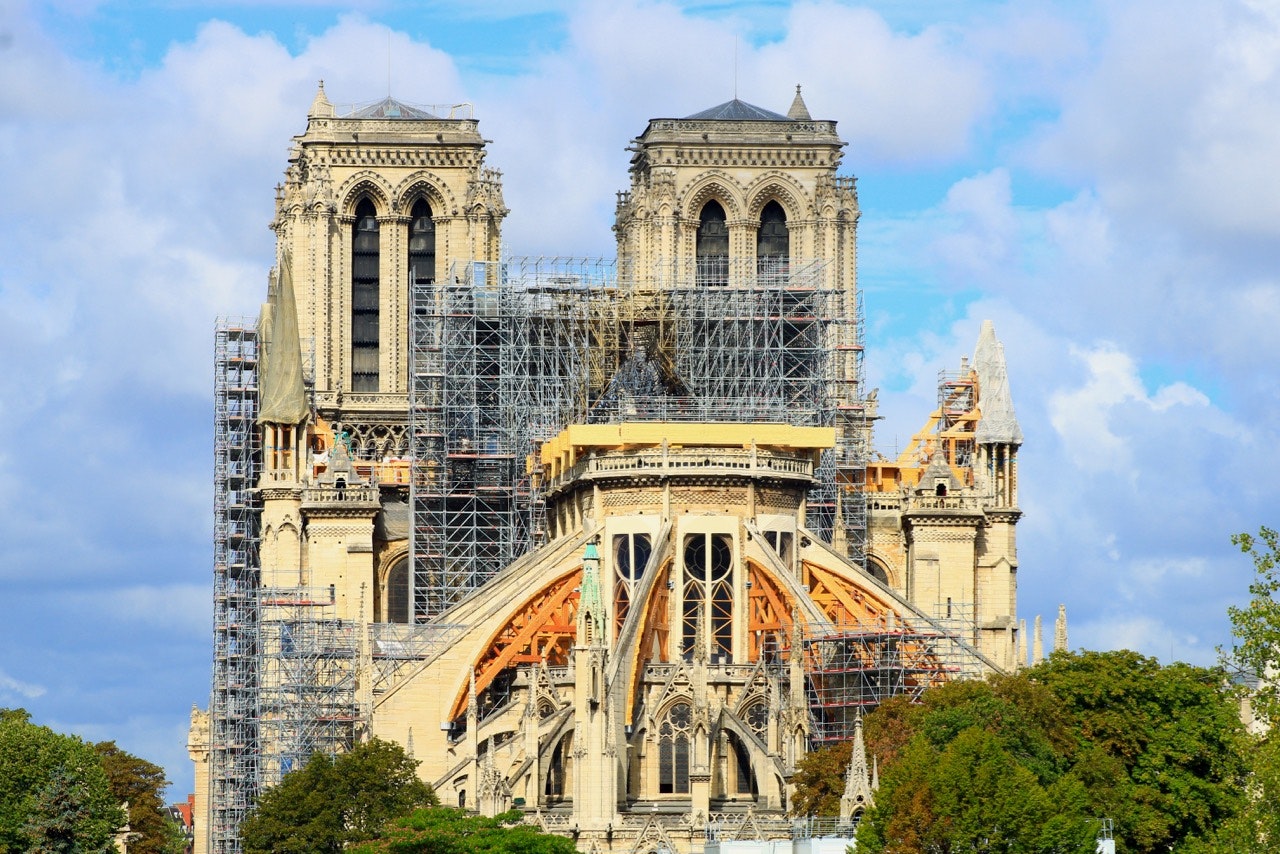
[688, 604]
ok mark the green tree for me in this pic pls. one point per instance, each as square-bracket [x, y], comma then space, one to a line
[54, 795]
[1031, 762]
[138, 783]
[442, 830]
[330, 802]
[1255, 649]
[1163, 746]
[1256, 628]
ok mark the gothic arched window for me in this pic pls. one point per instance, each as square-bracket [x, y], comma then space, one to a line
[673, 750]
[708, 589]
[757, 719]
[398, 593]
[422, 243]
[630, 555]
[773, 240]
[364, 299]
[712, 250]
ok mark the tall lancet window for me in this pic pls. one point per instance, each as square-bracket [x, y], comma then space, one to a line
[773, 240]
[364, 299]
[673, 750]
[712, 250]
[422, 243]
[707, 595]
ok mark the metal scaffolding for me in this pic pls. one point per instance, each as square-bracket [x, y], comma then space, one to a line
[233, 704]
[855, 668]
[307, 679]
[505, 356]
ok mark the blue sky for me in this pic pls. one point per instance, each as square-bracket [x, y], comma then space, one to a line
[1100, 179]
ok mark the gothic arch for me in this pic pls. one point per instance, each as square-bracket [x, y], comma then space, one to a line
[427, 186]
[780, 188]
[875, 562]
[713, 185]
[365, 184]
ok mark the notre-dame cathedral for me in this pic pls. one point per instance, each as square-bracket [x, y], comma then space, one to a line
[601, 540]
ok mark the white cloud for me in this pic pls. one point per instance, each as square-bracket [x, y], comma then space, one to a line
[11, 688]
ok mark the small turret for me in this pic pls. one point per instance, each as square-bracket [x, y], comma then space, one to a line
[799, 112]
[320, 106]
[591, 616]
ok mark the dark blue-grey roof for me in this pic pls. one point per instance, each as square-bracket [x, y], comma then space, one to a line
[736, 110]
[390, 108]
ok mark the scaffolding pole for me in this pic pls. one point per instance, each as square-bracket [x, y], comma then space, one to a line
[234, 699]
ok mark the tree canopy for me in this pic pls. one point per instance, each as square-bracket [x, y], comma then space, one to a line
[54, 794]
[1256, 653]
[1032, 762]
[139, 783]
[443, 830]
[332, 801]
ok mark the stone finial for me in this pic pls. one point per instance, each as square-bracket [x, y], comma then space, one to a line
[799, 112]
[1022, 643]
[1037, 644]
[320, 106]
[1060, 630]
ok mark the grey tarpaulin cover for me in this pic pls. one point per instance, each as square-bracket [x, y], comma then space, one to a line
[283, 398]
[998, 423]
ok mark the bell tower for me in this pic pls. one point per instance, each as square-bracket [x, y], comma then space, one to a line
[737, 190]
[372, 199]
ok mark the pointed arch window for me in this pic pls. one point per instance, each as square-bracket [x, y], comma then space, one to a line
[673, 750]
[365, 298]
[712, 250]
[422, 243]
[630, 556]
[708, 589]
[773, 240]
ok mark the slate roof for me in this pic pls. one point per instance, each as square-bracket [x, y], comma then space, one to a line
[736, 110]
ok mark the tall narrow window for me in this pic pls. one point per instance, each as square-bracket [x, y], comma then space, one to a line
[398, 593]
[712, 249]
[630, 555]
[364, 299]
[422, 243]
[673, 750]
[708, 589]
[773, 240]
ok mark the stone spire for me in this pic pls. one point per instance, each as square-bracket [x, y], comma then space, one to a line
[1060, 630]
[859, 787]
[799, 112]
[1022, 643]
[999, 423]
[1037, 645]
